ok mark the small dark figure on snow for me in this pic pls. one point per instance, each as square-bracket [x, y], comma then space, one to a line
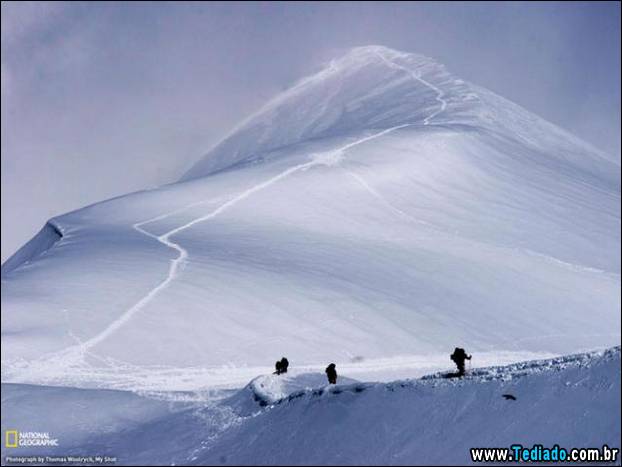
[458, 357]
[281, 366]
[331, 373]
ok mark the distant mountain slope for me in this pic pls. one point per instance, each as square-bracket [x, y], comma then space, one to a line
[381, 209]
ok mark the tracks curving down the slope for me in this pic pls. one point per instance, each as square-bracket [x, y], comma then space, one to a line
[177, 264]
[361, 181]
[443, 105]
[73, 357]
[439, 92]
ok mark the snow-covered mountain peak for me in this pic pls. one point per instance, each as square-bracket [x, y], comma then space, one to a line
[373, 88]
[380, 208]
[368, 88]
[358, 58]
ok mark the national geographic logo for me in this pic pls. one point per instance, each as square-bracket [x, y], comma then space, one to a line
[14, 439]
[10, 439]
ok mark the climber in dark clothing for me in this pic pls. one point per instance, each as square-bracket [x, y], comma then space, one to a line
[281, 366]
[331, 373]
[458, 357]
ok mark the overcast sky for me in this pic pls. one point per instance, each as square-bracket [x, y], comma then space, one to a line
[103, 99]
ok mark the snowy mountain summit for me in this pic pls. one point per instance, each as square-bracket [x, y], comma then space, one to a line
[372, 88]
[377, 214]
[368, 88]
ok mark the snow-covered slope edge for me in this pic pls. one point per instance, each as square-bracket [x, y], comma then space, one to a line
[434, 420]
[426, 421]
[45, 239]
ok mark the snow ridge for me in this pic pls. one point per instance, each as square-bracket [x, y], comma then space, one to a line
[439, 93]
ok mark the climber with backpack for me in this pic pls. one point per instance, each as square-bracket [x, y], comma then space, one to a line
[331, 374]
[458, 357]
[281, 366]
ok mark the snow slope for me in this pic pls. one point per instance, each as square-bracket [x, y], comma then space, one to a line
[435, 420]
[377, 214]
[571, 401]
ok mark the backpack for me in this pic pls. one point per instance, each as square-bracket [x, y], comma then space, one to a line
[458, 352]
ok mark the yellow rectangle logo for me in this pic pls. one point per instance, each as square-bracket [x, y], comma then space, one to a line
[10, 438]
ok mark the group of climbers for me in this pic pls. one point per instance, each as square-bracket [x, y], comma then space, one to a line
[282, 365]
[459, 356]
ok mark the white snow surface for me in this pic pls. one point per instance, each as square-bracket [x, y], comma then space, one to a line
[571, 401]
[377, 214]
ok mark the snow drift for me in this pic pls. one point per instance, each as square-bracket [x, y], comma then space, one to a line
[49, 235]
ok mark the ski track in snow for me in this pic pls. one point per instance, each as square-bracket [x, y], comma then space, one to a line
[74, 357]
[565, 264]
[443, 105]
[177, 264]
[361, 181]
[439, 93]
[328, 158]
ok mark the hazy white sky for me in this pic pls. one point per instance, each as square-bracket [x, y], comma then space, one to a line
[100, 99]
